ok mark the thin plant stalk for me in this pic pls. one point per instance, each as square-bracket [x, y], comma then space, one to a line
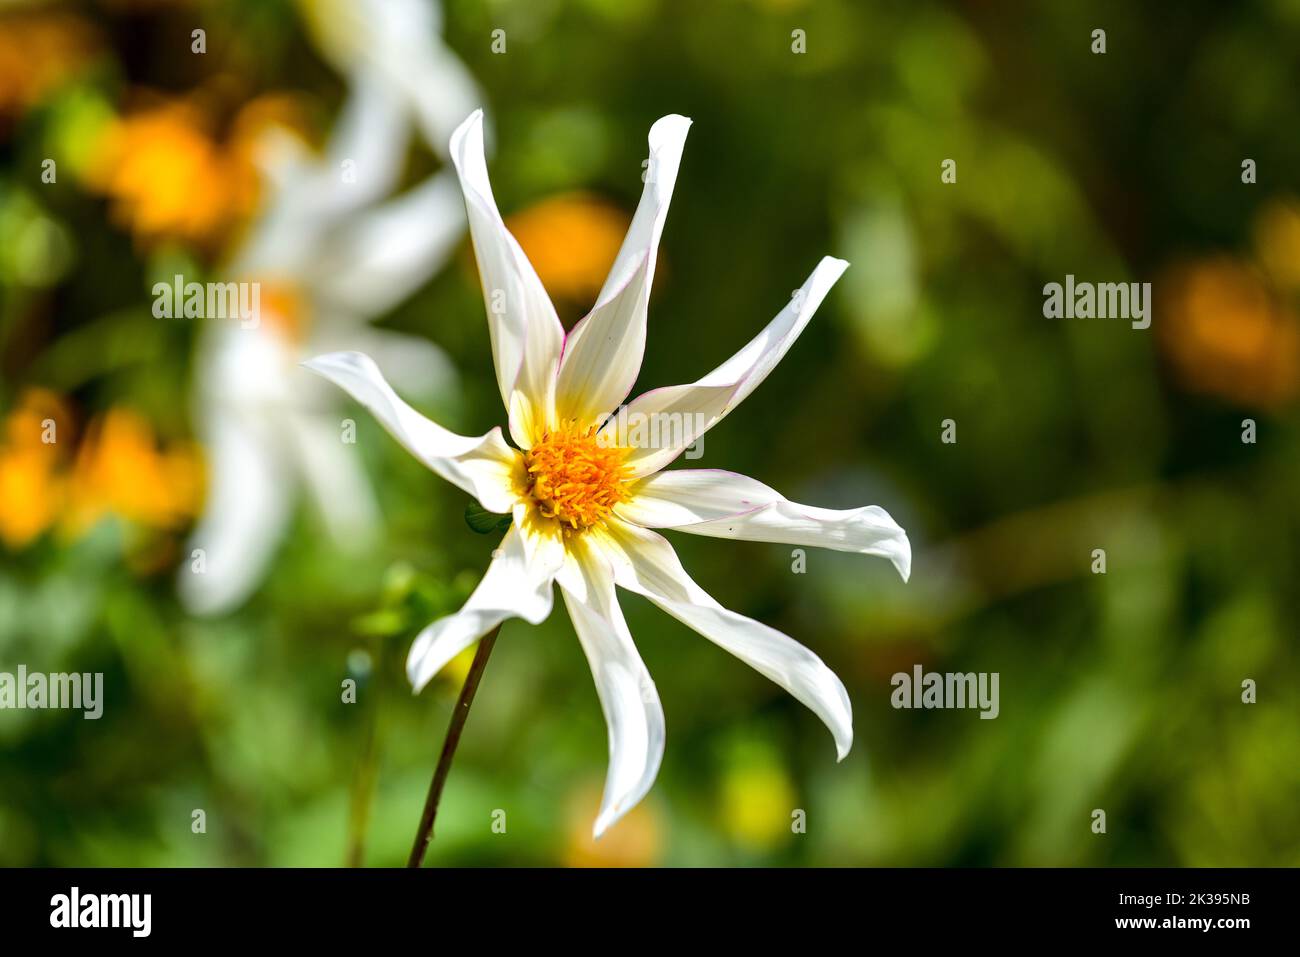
[363, 780]
[425, 833]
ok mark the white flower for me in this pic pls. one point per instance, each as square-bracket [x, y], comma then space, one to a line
[329, 253]
[585, 490]
[400, 42]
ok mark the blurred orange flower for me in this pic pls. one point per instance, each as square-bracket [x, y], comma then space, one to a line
[635, 841]
[166, 176]
[38, 52]
[1226, 333]
[121, 470]
[571, 240]
[169, 176]
[31, 489]
[118, 469]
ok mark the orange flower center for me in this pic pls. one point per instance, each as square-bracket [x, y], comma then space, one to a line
[575, 478]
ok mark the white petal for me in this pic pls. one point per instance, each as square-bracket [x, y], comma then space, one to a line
[333, 474]
[348, 32]
[728, 505]
[484, 466]
[527, 337]
[602, 354]
[370, 139]
[628, 696]
[402, 40]
[412, 365]
[513, 587]
[248, 504]
[645, 563]
[658, 425]
[308, 194]
[704, 403]
[383, 255]
[441, 91]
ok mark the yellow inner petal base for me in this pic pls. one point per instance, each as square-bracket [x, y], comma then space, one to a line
[574, 478]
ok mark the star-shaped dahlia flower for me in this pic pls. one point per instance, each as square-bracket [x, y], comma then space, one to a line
[584, 485]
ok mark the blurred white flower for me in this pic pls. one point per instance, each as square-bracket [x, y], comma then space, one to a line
[330, 252]
[398, 41]
[587, 488]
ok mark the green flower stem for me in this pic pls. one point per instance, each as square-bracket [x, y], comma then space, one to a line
[454, 729]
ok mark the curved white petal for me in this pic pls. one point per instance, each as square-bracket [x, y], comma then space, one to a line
[484, 466]
[628, 696]
[309, 195]
[527, 337]
[517, 584]
[369, 139]
[384, 254]
[348, 32]
[709, 399]
[332, 472]
[729, 505]
[249, 500]
[401, 39]
[658, 425]
[441, 92]
[412, 365]
[603, 352]
[645, 563]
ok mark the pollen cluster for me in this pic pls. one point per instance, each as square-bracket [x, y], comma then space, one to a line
[575, 478]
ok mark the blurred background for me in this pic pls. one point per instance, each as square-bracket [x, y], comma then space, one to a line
[1119, 691]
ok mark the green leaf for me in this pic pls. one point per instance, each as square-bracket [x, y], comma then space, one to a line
[485, 522]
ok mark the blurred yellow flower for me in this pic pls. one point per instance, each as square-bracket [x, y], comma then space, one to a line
[757, 801]
[1226, 334]
[167, 176]
[38, 52]
[635, 841]
[457, 669]
[571, 240]
[121, 470]
[31, 490]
